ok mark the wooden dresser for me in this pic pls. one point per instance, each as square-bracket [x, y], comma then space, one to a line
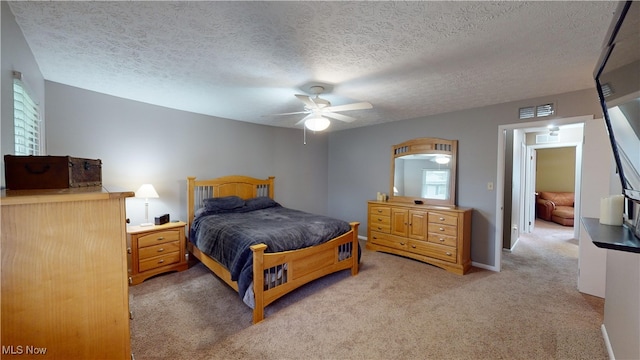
[155, 250]
[438, 235]
[64, 274]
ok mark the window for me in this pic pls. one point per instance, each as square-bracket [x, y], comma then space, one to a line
[435, 184]
[26, 119]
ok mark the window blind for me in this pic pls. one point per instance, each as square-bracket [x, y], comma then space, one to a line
[26, 119]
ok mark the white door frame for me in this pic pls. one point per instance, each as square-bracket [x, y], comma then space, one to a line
[501, 173]
[578, 177]
[528, 196]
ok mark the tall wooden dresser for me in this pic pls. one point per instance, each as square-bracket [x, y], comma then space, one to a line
[438, 235]
[64, 274]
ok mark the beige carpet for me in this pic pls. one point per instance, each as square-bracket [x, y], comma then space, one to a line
[396, 308]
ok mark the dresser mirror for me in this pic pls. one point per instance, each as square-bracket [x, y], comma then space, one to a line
[424, 170]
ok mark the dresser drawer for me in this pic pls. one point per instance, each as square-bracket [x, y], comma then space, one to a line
[443, 239]
[158, 237]
[382, 226]
[388, 241]
[160, 249]
[441, 252]
[380, 220]
[159, 261]
[380, 210]
[443, 229]
[441, 218]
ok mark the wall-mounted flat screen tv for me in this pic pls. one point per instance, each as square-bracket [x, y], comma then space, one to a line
[617, 77]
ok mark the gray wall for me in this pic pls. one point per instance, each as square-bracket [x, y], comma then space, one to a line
[359, 160]
[141, 143]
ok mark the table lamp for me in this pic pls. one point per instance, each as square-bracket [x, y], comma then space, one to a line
[146, 191]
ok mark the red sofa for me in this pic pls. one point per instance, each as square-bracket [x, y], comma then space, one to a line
[555, 206]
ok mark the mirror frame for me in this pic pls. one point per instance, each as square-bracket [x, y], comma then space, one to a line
[435, 146]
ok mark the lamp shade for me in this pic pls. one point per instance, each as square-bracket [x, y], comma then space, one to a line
[317, 123]
[147, 191]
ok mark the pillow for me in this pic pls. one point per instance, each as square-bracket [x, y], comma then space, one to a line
[257, 203]
[223, 203]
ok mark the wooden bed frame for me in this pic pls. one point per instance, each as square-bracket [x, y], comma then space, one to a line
[302, 266]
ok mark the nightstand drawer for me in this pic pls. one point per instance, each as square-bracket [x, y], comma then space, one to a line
[159, 261]
[158, 237]
[156, 250]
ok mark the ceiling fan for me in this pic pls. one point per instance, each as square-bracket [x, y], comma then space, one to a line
[318, 110]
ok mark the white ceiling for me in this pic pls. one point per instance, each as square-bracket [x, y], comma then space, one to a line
[243, 60]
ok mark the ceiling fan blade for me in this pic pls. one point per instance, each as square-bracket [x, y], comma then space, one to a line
[290, 113]
[307, 101]
[348, 107]
[337, 116]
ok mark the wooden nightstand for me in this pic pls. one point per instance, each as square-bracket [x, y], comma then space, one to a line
[155, 250]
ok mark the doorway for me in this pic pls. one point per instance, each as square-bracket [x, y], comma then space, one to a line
[510, 210]
[552, 167]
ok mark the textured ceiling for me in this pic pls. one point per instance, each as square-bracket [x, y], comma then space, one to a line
[244, 60]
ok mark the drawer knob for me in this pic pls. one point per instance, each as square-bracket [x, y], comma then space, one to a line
[448, 254]
[161, 250]
[441, 229]
[379, 210]
[160, 261]
[441, 219]
[379, 228]
[160, 238]
[402, 243]
[379, 219]
[441, 239]
[413, 246]
[375, 238]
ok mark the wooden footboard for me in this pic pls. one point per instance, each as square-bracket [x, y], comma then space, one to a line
[277, 274]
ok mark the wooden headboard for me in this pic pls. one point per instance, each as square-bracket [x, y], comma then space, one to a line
[242, 186]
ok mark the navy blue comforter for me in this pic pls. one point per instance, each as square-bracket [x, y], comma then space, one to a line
[226, 235]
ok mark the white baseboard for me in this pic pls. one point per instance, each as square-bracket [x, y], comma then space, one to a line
[607, 343]
[484, 266]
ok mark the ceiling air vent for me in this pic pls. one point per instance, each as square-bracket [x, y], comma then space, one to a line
[544, 110]
[607, 90]
[536, 111]
[527, 112]
[547, 138]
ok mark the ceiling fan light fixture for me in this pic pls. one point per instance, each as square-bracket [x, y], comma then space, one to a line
[443, 159]
[317, 123]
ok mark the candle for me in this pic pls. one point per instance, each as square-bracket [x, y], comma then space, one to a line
[611, 210]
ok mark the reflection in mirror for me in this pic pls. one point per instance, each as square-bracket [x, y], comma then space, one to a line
[422, 176]
[424, 169]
